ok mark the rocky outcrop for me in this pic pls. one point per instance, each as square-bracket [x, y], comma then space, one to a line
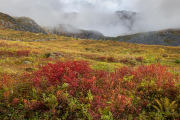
[20, 23]
[71, 31]
[169, 37]
[126, 18]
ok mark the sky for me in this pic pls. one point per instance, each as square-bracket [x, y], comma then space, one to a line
[98, 14]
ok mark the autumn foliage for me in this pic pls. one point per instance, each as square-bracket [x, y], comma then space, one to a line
[118, 91]
[18, 53]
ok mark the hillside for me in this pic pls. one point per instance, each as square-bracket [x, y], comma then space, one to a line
[45, 76]
[168, 37]
[20, 23]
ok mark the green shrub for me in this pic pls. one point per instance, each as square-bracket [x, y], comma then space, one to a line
[177, 61]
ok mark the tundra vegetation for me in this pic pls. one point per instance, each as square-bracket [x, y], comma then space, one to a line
[55, 77]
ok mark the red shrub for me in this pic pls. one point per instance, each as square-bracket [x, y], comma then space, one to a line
[55, 73]
[139, 59]
[18, 53]
[3, 44]
[113, 88]
[22, 53]
[15, 102]
[8, 53]
[126, 60]
[111, 59]
[151, 72]
[101, 58]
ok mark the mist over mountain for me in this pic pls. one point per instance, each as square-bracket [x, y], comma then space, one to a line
[110, 24]
[71, 31]
[169, 37]
[99, 15]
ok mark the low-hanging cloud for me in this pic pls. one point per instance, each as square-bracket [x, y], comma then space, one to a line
[99, 15]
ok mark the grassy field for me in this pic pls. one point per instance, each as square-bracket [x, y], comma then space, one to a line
[55, 77]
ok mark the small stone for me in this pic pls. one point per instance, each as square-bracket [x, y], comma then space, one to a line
[26, 62]
[29, 69]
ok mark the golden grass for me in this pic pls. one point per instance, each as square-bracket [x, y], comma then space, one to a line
[73, 49]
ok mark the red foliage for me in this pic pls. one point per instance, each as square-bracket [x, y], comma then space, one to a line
[109, 86]
[15, 102]
[19, 53]
[111, 59]
[56, 73]
[125, 60]
[8, 53]
[139, 59]
[102, 58]
[151, 72]
[108, 59]
[22, 53]
[3, 44]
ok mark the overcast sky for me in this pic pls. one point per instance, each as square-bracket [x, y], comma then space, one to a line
[155, 14]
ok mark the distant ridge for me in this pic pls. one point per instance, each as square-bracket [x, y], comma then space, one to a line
[20, 23]
[167, 37]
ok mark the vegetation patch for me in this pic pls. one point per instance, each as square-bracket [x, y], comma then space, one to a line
[89, 80]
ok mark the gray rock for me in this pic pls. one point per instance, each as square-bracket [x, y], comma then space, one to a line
[53, 55]
[26, 62]
[56, 54]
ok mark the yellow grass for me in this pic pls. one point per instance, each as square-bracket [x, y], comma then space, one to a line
[73, 49]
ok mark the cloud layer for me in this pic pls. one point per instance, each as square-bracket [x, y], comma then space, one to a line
[99, 14]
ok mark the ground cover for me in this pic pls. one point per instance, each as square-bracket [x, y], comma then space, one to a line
[67, 78]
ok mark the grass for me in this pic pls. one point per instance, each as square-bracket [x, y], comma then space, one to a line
[10, 34]
[91, 80]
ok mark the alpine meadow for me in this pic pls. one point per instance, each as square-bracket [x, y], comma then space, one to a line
[67, 73]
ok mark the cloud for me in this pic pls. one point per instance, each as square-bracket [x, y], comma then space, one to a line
[159, 14]
[99, 14]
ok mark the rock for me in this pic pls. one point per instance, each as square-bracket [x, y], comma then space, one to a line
[29, 69]
[26, 62]
[57, 54]
[53, 55]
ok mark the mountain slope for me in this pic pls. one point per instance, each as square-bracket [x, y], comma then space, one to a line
[20, 23]
[54, 79]
[168, 37]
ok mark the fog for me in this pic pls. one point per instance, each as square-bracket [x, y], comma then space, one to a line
[100, 15]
